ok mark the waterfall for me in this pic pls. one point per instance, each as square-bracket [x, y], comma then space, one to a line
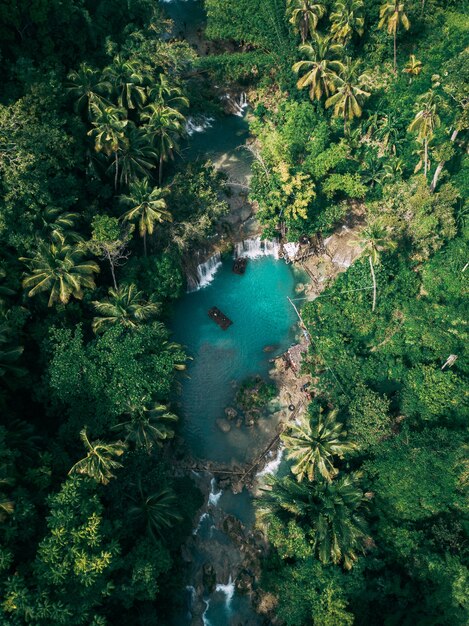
[237, 103]
[214, 496]
[202, 519]
[198, 124]
[272, 466]
[253, 248]
[228, 590]
[205, 273]
[204, 616]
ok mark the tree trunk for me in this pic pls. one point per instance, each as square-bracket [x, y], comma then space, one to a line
[441, 164]
[425, 165]
[395, 51]
[111, 263]
[117, 170]
[160, 171]
[374, 282]
[145, 243]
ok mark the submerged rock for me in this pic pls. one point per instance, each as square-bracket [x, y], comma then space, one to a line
[223, 425]
[231, 413]
[209, 578]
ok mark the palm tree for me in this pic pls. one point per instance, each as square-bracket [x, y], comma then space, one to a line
[305, 15]
[60, 225]
[387, 132]
[137, 155]
[313, 444]
[147, 206]
[425, 122]
[100, 460]
[58, 268]
[156, 511]
[372, 170]
[108, 132]
[346, 19]
[125, 306]
[148, 425]
[413, 67]
[374, 239]
[128, 81]
[167, 94]
[321, 68]
[349, 96]
[87, 86]
[330, 512]
[391, 16]
[164, 126]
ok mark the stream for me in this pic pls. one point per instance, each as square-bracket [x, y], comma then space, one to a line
[223, 552]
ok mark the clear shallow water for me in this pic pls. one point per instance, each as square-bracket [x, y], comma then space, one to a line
[262, 316]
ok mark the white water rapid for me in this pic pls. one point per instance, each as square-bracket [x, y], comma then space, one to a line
[236, 103]
[254, 248]
[205, 273]
[272, 466]
[214, 496]
[198, 124]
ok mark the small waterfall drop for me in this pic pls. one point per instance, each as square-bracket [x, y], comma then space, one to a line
[198, 124]
[254, 248]
[203, 517]
[272, 466]
[237, 103]
[205, 273]
[214, 496]
[228, 590]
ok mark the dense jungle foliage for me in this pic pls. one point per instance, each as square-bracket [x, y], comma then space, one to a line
[359, 106]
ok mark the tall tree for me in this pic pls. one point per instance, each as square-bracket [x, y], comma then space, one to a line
[330, 512]
[87, 86]
[147, 207]
[125, 305]
[101, 459]
[313, 444]
[164, 126]
[148, 425]
[164, 91]
[374, 239]
[348, 99]
[108, 132]
[305, 15]
[425, 122]
[156, 511]
[128, 80]
[413, 67]
[59, 268]
[321, 68]
[109, 241]
[391, 16]
[137, 156]
[347, 18]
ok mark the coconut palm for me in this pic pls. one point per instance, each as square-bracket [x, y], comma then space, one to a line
[387, 132]
[125, 306]
[372, 170]
[148, 425]
[321, 68]
[349, 96]
[156, 511]
[347, 18]
[100, 460]
[331, 513]
[137, 156]
[87, 86]
[313, 444]
[305, 15]
[128, 81]
[391, 16]
[59, 269]
[425, 122]
[164, 126]
[59, 225]
[147, 207]
[374, 239]
[413, 67]
[108, 132]
[164, 92]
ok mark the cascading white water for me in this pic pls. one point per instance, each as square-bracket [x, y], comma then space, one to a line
[254, 248]
[236, 103]
[205, 273]
[203, 517]
[198, 124]
[214, 496]
[228, 590]
[272, 466]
